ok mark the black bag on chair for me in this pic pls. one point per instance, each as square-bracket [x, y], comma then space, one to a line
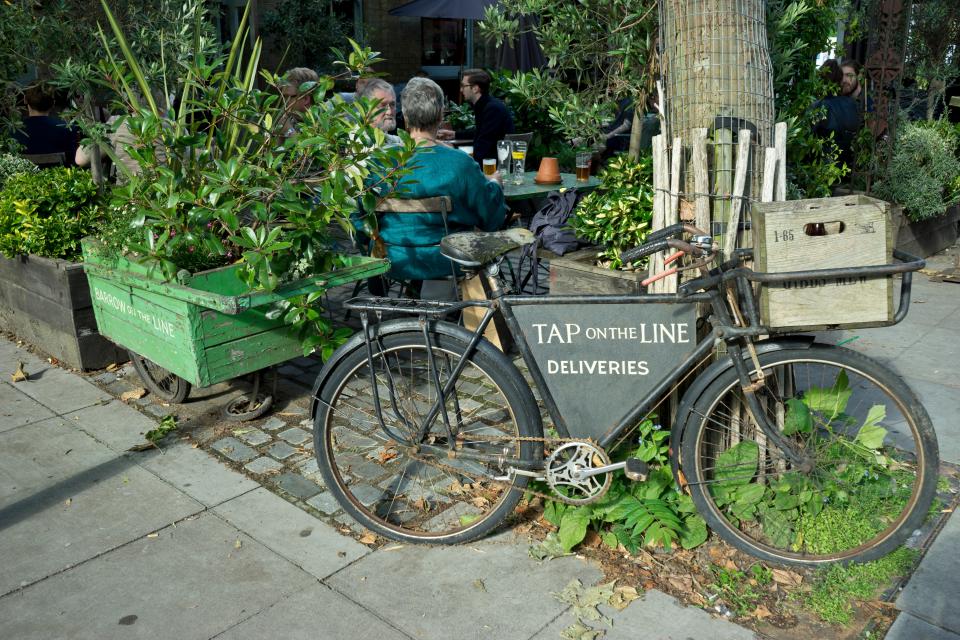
[549, 224]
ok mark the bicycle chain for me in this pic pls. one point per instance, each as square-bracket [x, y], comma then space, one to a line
[555, 442]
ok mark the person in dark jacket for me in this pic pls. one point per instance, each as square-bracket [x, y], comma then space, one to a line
[43, 133]
[493, 121]
[841, 115]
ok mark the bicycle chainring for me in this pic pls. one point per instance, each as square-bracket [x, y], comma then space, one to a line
[563, 469]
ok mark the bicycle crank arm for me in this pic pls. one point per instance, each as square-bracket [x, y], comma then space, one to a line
[634, 469]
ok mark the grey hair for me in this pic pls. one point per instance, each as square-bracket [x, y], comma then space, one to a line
[422, 103]
[374, 84]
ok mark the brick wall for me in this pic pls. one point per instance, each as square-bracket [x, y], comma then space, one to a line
[397, 39]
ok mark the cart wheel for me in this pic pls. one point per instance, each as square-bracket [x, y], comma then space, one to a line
[164, 384]
[238, 410]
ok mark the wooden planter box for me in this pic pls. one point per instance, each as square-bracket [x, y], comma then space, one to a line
[47, 303]
[857, 231]
[576, 273]
[927, 237]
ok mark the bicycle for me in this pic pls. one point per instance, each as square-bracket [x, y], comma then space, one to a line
[425, 432]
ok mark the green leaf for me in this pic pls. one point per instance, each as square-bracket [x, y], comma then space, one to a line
[797, 418]
[750, 494]
[871, 434]
[549, 548]
[573, 527]
[694, 532]
[830, 402]
[738, 464]
[553, 512]
[776, 526]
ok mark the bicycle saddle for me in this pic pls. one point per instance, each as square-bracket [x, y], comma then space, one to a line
[477, 248]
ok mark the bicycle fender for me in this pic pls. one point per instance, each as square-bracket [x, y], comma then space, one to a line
[398, 325]
[710, 374]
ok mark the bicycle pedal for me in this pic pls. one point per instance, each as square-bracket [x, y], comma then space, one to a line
[636, 470]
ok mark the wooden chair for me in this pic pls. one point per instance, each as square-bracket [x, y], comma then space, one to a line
[439, 205]
[44, 160]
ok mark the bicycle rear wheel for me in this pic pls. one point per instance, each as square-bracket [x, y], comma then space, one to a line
[870, 459]
[415, 493]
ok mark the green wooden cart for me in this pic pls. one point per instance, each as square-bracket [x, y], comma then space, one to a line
[205, 327]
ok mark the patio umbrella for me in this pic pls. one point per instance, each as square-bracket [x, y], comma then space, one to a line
[452, 9]
[523, 53]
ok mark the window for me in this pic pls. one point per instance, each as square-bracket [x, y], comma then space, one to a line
[443, 42]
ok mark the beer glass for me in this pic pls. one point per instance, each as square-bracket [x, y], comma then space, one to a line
[503, 157]
[519, 154]
[489, 166]
[583, 166]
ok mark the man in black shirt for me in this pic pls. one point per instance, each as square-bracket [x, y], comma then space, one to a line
[493, 121]
[43, 133]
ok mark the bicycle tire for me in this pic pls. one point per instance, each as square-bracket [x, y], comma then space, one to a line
[859, 506]
[387, 486]
[162, 383]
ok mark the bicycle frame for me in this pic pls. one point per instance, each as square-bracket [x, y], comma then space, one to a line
[707, 289]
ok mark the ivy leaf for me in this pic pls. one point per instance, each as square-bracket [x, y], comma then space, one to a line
[871, 434]
[573, 527]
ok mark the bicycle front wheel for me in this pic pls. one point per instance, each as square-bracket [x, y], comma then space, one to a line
[868, 468]
[407, 487]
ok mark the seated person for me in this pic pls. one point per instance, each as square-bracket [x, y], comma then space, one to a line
[120, 139]
[43, 133]
[296, 101]
[493, 119]
[841, 119]
[411, 238]
[386, 119]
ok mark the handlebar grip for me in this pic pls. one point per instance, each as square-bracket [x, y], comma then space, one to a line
[646, 249]
[666, 232]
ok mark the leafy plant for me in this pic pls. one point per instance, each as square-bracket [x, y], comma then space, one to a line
[222, 182]
[11, 165]
[619, 213]
[167, 424]
[923, 170]
[635, 514]
[737, 588]
[46, 213]
[460, 116]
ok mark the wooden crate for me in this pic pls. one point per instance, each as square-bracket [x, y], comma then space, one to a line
[576, 273]
[858, 233]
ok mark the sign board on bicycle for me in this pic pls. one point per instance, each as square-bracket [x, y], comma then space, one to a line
[599, 359]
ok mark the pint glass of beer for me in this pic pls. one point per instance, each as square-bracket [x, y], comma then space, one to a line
[583, 166]
[489, 166]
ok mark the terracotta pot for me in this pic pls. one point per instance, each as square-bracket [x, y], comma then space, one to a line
[549, 170]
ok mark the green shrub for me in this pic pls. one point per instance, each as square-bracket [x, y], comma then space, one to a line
[923, 170]
[46, 213]
[11, 165]
[617, 215]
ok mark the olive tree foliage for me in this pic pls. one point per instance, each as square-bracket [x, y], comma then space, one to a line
[598, 52]
[933, 48]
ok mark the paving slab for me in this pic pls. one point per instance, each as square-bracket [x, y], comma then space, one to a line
[59, 390]
[291, 532]
[942, 402]
[18, 409]
[483, 590]
[113, 423]
[931, 594]
[296, 485]
[908, 627]
[190, 582]
[315, 612]
[933, 357]
[233, 449]
[655, 616]
[65, 498]
[195, 472]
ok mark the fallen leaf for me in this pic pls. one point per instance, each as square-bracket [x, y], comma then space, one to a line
[592, 539]
[761, 612]
[788, 578]
[237, 544]
[551, 547]
[112, 366]
[684, 584]
[19, 375]
[386, 455]
[368, 538]
[479, 586]
[68, 502]
[579, 631]
[421, 505]
[133, 394]
[623, 596]
[698, 599]
[480, 502]
[53, 361]
[730, 565]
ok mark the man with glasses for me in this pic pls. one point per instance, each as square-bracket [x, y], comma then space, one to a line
[381, 91]
[493, 121]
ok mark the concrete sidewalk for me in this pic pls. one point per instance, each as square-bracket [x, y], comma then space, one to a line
[98, 542]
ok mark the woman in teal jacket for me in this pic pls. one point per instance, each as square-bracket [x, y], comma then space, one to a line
[438, 170]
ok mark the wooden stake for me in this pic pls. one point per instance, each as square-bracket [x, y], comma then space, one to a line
[739, 182]
[673, 213]
[722, 165]
[701, 180]
[659, 202]
[780, 144]
[769, 174]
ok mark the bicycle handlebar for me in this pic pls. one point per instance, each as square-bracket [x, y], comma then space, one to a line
[663, 239]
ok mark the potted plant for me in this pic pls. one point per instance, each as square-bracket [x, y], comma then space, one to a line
[615, 217]
[922, 177]
[218, 251]
[44, 297]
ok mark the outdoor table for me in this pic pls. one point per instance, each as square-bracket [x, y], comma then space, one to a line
[530, 189]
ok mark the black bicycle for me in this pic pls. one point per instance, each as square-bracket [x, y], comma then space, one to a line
[425, 432]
